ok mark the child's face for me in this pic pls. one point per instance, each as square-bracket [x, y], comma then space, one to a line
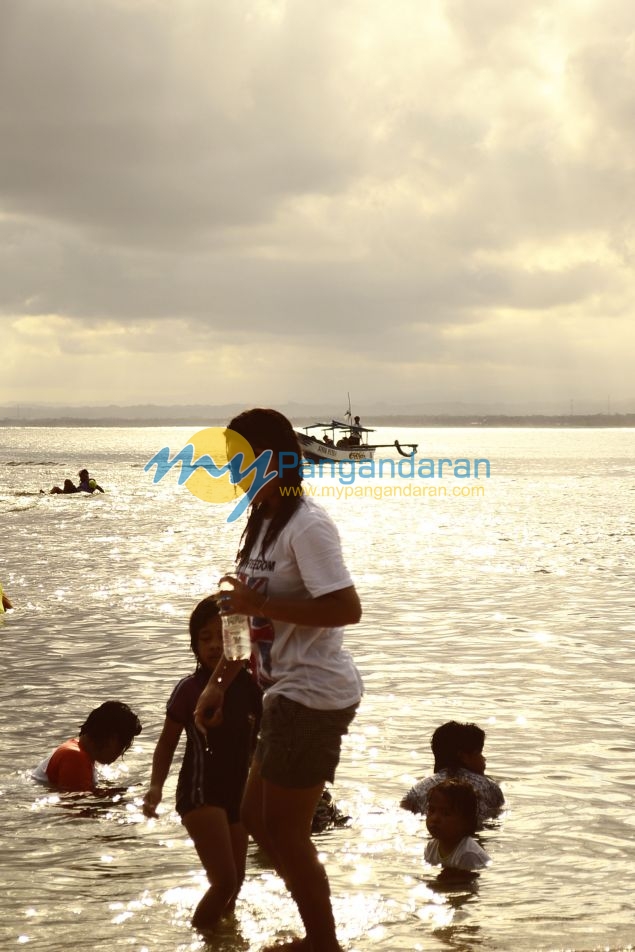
[109, 750]
[443, 822]
[473, 760]
[209, 645]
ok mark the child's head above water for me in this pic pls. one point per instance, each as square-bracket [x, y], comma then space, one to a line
[456, 745]
[110, 730]
[206, 633]
[452, 811]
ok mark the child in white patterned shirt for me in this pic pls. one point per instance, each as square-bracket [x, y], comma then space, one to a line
[451, 819]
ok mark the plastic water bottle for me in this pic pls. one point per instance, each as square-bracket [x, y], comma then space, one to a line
[236, 638]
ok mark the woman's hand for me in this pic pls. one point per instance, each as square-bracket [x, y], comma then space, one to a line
[241, 600]
[333, 610]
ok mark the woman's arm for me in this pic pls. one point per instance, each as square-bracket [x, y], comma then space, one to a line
[161, 763]
[328, 611]
[333, 610]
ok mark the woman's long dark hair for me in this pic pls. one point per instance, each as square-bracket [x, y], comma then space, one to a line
[269, 430]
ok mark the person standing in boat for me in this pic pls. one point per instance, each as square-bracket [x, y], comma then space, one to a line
[356, 432]
[290, 556]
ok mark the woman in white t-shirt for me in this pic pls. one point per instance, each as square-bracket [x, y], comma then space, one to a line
[292, 582]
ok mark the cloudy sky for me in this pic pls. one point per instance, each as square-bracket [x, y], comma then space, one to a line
[272, 200]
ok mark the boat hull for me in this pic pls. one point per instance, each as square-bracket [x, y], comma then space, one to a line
[319, 452]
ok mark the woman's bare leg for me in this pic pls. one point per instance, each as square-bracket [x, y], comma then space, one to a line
[252, 814]
[279, 819]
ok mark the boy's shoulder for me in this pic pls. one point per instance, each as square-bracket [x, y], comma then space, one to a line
[424, 785]
[70, 766]
[70, 749]
[484, 786]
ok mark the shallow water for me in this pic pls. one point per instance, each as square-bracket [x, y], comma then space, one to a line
[514, 609]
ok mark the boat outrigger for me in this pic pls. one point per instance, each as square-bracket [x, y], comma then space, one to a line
[344, 441]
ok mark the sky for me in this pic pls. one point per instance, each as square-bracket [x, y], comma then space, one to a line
[262, 201]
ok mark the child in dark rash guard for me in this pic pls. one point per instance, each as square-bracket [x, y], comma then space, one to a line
[214, 768]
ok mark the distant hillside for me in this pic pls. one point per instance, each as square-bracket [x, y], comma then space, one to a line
[373, 413]
[213, 416]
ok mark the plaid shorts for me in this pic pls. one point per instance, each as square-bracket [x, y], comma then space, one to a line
[298, 746]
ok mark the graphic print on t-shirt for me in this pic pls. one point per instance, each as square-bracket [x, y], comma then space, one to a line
[261, 629]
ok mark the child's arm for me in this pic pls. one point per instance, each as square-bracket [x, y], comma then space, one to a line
[161, 762]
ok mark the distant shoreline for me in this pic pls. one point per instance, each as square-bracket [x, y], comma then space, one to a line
[537, 421]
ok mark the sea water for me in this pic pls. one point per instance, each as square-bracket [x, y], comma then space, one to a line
[512, 608]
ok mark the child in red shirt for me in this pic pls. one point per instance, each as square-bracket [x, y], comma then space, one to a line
[106, 735]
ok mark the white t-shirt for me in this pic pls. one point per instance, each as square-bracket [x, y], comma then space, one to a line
[490, 796]
[466, 855]
[306, 664]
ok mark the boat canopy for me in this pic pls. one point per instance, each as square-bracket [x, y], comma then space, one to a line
[338, 425]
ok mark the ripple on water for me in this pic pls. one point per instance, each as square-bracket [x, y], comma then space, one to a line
[515, 612]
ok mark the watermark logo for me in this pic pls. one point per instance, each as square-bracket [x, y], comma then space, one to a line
[216, 465]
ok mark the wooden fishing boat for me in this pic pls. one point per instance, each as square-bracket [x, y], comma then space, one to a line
[344, 442]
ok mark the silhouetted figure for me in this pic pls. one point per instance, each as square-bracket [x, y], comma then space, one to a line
[458, 755]
[86, 484]
[69, 487]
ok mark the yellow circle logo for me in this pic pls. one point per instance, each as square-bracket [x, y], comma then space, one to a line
[220, 456]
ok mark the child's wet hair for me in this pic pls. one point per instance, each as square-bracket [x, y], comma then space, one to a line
[112, 718]
[205, 611]
[452, 739]
[461, 797]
